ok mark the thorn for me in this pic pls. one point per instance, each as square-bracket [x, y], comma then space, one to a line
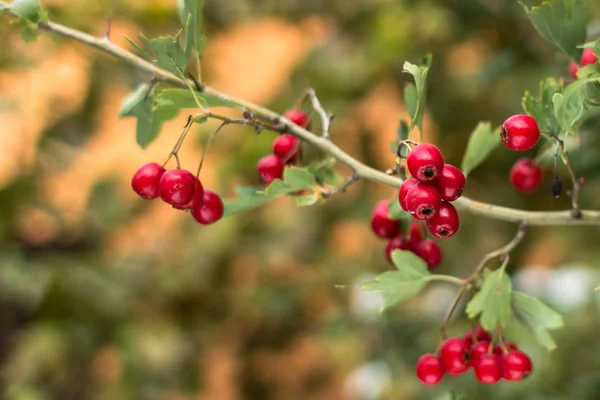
[198, 85]
[108, 27]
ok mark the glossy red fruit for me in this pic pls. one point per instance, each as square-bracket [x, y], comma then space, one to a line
[270, 168]
[430, 252]
[516, 365]
[298, 117]
[396, 243]
[429, 369]
[588, 57]
[404, 189]
[177, 187]
[381, 223]
[520, 132]
[425, 162]
[509, 346]
[209, 210]
[451, 183]
[287, 147]
[478, 349]
[573, 68]
[479, 333]
[526, 175]
[445, 222]
[198, 196]
[488, 368]
[455, 354]
[423, 201]
[145, 181]
[416, 235]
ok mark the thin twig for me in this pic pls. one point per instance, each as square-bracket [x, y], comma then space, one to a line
[342, 188]
[325, 118]
[451, 311]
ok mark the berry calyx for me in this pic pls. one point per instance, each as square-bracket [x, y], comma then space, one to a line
[210, 209]
[520, 132]
[430, 252]
[423, 201]
[298, 117]
[415, 233]
[425, 162]
[397, 243]
[455, 354]
[198, 195]
[451, 183]
[516, 365]
[145, 181]
[429, 369]
[270, 168]
[525, 175]
[588, 57]
[477, 335]
[445, 222]
[381, 223]
[177, 187]
[488, 368]
[509, 346]
[287, 147]
[477, 350]
[404, 189]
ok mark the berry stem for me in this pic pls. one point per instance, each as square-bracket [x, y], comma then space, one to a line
[451, 311]
[342, 188]
[205, 149]
[175, 151]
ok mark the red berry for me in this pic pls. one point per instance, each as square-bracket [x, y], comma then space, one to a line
[455, 354]
[287, 147]
[415, 233]
[488, 368]
[445, 222]
[423, 201]
[588, 57]
[270, 168]
[298, 117]
[198, 196]
[210, 210]
[177, 187]
[480, 335]
[525, 175]
[478, 349]
[573, 68]
[425, 162]
[430, 252]
[404, 189]
[145, 181]
[381, 223]
[509, 346]
[396, 243]
[520, 132]
[430, 369]
[451, 183]
[516, 365]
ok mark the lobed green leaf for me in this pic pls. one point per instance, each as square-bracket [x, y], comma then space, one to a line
[542, 107]
[493, 301]
[537, 317]
[191, 16]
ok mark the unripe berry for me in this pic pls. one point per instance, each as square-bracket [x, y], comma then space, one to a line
[298, 117]
[287, 147]
[478, 349]
[397, 243]
[455, 354]
[516, 365]
[451, 183]
[430, 252]
[210, 210]
[520, 132]
[588, 57]
[270, 168]
[406, 186]
[488, 368]
[525, 175]
[423, 200]
[480, 334]
[177, 187]
[425, 162]
[429, 369]
[445, 222]
[198, 195]
[381, 223]
[146, 180]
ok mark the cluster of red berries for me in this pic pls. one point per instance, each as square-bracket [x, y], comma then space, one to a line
[588, 57]
[434, 184]
[287, 150]
[475, 350]
[388, 228]
[179, 188]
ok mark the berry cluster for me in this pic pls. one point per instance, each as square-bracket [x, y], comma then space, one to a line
[588, 57]
[475, 350]
[434, 184]
[179, 188]
[388, 228]
[287, 150]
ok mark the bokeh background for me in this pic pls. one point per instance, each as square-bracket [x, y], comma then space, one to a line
[106, 296]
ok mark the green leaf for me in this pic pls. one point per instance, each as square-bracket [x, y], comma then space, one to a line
[481, 143]
[30, 15]
[411, 99]
[183, 98]
[402, 131]
[167, 54]
[420, 75]
[191, 16]
[493, 301]
[308, 200]
[324, 172]
[562, 23]
[572, 107]
[542, 108]
[294, 179]
[396, 212]
[537, 317]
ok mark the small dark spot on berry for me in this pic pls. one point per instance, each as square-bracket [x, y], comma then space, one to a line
[429, 173]
[443, 232]
[427, 211]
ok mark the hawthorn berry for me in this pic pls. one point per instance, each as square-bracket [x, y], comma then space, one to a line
[588, 57]
[516, 365]
[404, 188]
[478, 349]
[451, 183]
[573, 68]
[198, 196]
[509, 346]
[177, 187]
[525, 175]
[520, 132]
[145, 181]
[381, 223]
[210, 209]
[455, 354]
[397, 243]
[488, 368]
[445, 222]
[423, 200]
[480, 335]
[287, 147]
[425, 162]
[415, 233]
[298, 117]
[270, 168]
[430, 252]
[430, 369]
